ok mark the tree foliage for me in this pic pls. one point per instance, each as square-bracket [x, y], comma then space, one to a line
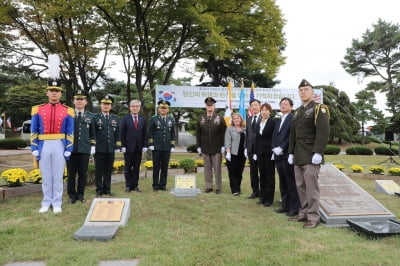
[377, 54]
[365, 110]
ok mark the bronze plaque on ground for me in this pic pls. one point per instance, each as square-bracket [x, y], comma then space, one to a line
[107, 211]
[340, 196]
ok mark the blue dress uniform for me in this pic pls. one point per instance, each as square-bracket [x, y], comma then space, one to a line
[84, 140]
[107, 141]
[52, 136]
[162, 138]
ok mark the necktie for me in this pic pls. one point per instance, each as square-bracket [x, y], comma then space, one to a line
[106, 116]
[79, 116]
[135, 121]
[282, 120]
[253, 124]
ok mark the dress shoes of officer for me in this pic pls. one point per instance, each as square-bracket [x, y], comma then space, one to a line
[310, 224]
[208, 190]
[43, 209]
[137, 189]
[218, 191]
[127, 189]
[297, 219]
[110, 194]
[280, 210]
[72, 200]
[253, 196]
[292, 213]
[81, 199]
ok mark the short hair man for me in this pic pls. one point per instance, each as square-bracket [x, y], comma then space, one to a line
[309, 135]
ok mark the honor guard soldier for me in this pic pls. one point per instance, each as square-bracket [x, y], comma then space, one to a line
[52, 136]
[210, 133]
[84, 146]
[107, 143]
[161, 143]
[308, 137]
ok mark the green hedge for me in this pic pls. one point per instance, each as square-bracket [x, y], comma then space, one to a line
[12, 144]
[191, 148]
[331, 150]
[188, 165]
[359, 150]
[384, 150]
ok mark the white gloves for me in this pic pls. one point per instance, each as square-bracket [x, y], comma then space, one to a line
[273, 157]
[316, 159]
[151, 148]
[35, 153]
[255, 157]
[222, 149]
[199, 150]
[228, 156]
[277, 150]
[172, 149]
[144, 149]
[290, 159]
[245, 154]
[92, 150]
[117, 150]
[123, 149]
[67, 154]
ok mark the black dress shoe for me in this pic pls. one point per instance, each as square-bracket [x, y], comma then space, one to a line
[137, 189]
[267, 204]
[208, 190]
[109, 194]
[81, 199]
[163, 188]
[127, 189]
[71, 200]
[280, 210]
[252, 196]
[292, 213]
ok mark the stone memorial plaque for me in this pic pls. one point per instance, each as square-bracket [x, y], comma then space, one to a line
[93, 232]
[376, 228]
[341, 199]
[182, 181]
[107, 211]
[387, 186]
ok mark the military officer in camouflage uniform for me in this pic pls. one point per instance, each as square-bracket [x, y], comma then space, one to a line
[210, 136]
[84, 145]
[107, 143]
[161, 143]
[309, 135]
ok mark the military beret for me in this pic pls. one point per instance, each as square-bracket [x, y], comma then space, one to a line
[163, 103]
[80, 94]
[54, 85]
[107, 99]
[304, 83]
[210, 101]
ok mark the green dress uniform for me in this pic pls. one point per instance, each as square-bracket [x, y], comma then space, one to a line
[84, 138]
[107, 141]
[309, 135]
[162, 137]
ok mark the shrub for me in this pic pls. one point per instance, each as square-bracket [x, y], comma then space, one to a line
[192, 148]
[394, 171]
[188, 165]
[199, 162]
[374, 139]
[377, 169]
[12, 144]
[357, 168]
[384, 150]
[339, 166]
[359, 150]
[331, 150]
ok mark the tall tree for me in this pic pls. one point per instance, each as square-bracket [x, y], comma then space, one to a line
[36, 28]
[377, 54]
[365, 110]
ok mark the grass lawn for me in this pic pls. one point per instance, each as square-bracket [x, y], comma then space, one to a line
[207, 230]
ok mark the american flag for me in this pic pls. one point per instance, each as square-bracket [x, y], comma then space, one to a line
[252, 88]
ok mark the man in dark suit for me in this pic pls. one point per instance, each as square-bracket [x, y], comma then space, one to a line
[250, 146]
[308, 137]
[107, 143]
[134, 141]
[280, 145]
[84, 146]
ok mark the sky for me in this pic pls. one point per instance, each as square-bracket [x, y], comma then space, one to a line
[318, 32]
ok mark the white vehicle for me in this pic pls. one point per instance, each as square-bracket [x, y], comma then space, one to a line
[26, 130]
